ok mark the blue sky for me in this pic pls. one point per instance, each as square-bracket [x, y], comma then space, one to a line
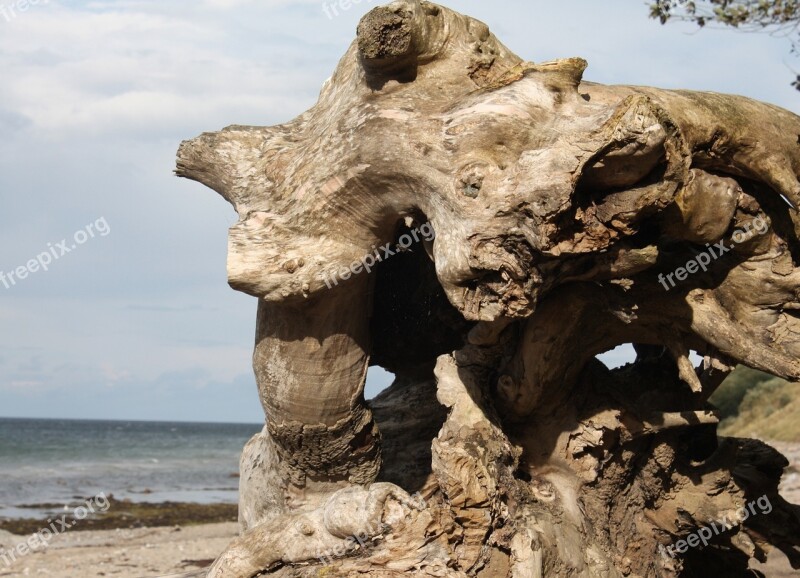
[94, 100]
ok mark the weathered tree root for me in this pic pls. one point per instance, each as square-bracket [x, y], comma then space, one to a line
[570, 218]
[350, 518]
[520, 508]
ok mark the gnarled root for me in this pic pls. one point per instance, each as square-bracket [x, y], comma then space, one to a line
[350, 518]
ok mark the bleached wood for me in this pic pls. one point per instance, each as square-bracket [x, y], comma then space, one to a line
[562, 210]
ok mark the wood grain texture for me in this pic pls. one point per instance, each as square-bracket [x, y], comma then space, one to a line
[570, 218]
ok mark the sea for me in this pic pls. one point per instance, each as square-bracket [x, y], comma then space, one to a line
[50, 462]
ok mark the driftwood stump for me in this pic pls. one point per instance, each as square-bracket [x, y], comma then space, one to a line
[569, 218]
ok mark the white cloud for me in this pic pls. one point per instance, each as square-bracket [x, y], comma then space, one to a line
[128, 71]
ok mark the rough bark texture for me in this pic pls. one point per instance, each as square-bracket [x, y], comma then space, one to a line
[565, 215]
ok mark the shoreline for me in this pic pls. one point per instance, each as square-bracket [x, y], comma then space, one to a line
[161, 552]
[180, 540]
[128, 540]
[123, 514]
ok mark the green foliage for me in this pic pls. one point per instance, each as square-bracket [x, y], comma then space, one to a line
[766, 398]
[735, 13]
[753, 403]
[728, 398]
[750, 15]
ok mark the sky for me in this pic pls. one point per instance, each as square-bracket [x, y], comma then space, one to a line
[133, 317]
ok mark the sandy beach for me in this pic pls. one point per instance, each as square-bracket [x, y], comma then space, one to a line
[129, 539]
[137, 553]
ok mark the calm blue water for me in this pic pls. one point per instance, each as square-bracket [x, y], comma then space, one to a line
[60, 461]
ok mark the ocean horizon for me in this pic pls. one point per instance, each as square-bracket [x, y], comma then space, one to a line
[54, 462]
